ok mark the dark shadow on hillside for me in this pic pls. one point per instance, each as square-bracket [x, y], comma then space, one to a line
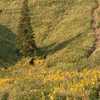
[51, 49]
[7, 47]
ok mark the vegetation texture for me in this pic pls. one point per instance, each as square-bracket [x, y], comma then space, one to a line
[63, 37]
[25, 39]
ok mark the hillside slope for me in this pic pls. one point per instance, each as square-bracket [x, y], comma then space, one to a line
[64, 32]
[64, 23]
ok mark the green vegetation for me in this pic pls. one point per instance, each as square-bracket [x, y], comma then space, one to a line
[29, 83]
[67, 67]
[66, 24]
[7, 47]
[25, 40]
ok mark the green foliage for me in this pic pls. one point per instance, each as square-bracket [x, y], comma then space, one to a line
[25, 90]
[7, 46]
[63, 32]
[25, 38]
[95, 93]
[5, 96]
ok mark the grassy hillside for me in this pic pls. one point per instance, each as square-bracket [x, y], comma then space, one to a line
[7, 46]
[66, 24]
[29, 83]
[63, 31]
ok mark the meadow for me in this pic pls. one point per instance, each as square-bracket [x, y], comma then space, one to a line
[64, 33]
